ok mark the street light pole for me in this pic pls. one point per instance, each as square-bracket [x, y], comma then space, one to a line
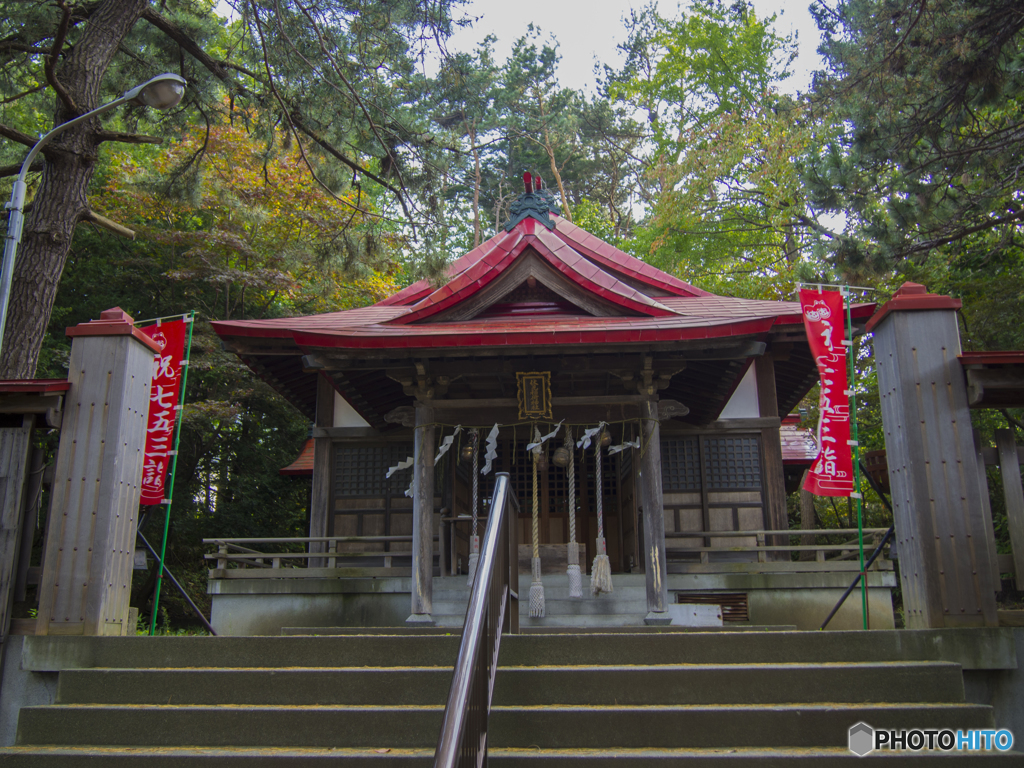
[161, 92]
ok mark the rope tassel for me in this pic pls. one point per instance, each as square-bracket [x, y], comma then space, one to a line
[537, 586]
[601, 571]
[573, 555]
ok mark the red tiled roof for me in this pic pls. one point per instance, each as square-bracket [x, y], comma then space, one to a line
[799, 446]
[402, 321]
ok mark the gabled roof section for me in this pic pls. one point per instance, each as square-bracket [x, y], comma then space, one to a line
[531, 250]
[569, 249]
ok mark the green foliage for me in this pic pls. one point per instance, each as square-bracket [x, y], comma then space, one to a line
[727, 207]
[929, 96]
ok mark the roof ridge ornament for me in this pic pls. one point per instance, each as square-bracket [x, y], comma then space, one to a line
[537, 202]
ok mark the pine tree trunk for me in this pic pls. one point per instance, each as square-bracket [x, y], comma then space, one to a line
[60, 202]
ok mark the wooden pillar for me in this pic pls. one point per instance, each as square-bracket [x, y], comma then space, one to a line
[945, 568]
[1013, 492]
[320, 502]
[423, 515]
[654, 514]
[15, 443]
[90, 546]
[776, 517]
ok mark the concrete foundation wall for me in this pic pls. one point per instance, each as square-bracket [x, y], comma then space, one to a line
[262, 606]
[801, 600]
[1001, 689]
[20, 688]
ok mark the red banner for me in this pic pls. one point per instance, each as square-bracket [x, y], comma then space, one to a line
[831, 473]
[164, 397]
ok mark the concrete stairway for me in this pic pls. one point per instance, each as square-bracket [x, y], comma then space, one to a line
[628, 699]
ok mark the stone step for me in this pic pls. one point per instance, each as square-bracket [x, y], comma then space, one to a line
[453, 625]
[916, 682]
[186, 757]
[973, 649]
[566, 621]
[546, 727]
[595, 607]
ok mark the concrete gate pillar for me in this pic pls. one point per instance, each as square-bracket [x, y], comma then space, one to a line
[945, 567]
[87, 565]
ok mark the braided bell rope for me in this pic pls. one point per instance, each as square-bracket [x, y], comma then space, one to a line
[536, 503]
[599, 490]
[572, 569]
[476, 481]
[572, 484]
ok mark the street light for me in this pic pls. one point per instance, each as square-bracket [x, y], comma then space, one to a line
[161, 92]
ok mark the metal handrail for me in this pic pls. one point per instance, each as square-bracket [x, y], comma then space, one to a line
[493, 609]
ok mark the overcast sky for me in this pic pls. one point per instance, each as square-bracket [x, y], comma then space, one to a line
[586, 29]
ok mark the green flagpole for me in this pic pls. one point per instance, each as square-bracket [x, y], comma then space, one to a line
[174, 464]
[855, 444]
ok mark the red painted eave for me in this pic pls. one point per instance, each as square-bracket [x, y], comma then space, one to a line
[983, 359]
[33, 386]
[566, 331]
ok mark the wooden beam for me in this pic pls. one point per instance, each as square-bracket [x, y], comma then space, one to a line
[585, 358]
[995, 387]
[990, 455]
[1013, 492]
[354, 433]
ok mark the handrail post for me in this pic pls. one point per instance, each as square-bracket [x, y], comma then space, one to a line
[464, 730]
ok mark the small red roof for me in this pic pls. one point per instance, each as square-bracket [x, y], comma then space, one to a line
[303, 464]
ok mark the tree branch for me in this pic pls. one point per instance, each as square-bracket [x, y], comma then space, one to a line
[190, 46]
[127, 138]
[112, 226]
[17, 96]
[51, 61]
[15, 135]
[14, 170]
[959, 235]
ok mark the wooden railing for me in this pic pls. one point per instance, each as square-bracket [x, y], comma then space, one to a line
[239, 557]
[493, 609]
[839, 557]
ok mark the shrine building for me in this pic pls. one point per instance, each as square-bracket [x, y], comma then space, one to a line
[545, 324]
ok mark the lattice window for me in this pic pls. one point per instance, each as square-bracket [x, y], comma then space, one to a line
[359, 470]
[732, 462]
[680, 465]
[521, 476]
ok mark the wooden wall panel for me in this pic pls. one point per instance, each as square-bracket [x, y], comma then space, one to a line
[15, 444]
